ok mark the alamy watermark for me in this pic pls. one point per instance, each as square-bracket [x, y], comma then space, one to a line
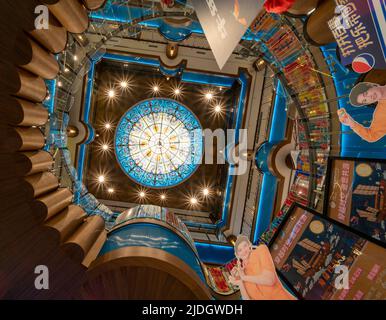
[41, 21]
[222, 146]
[342, 279]
[42, 281]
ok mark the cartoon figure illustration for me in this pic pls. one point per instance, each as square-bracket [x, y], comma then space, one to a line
[255, 273]
[363, 94]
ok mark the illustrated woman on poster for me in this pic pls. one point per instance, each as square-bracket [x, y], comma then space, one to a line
[255, 273]
[366, 93]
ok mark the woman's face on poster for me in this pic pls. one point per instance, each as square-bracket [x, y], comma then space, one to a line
[370, 96]
[243, 250]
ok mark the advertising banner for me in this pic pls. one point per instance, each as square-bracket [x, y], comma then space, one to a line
[321, 260]
[355, 195]
[224, 23]
[359, 28]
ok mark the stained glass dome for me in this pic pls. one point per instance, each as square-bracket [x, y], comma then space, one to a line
[158, 143]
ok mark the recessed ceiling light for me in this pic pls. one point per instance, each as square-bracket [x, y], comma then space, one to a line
[193, 200]
[75, 57]
[155, 88]
[111, 93]
[124, 84]
[101, 179]
[110, 190]
[105, 147]
[177, 91]
[208, 96]
[205, 191]
[163, 196]
[142, 194]
[107, 125]
[217, 108]
[60, 83]
[66, 69]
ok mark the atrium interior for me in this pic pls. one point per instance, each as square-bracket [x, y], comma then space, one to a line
[136, 156]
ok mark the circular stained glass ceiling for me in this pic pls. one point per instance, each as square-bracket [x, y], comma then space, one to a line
[158, 143]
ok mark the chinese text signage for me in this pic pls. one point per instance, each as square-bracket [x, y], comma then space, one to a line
[359, 28]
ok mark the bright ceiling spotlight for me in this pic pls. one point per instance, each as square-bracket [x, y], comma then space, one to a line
[107, 126]
[209, 96]
[155, 89]
[110, 190]
[105, 147]
[177, 91]
[142, 194]
[75, 57]
[101, 179]
[111, 93]
[66, 70]
[60, 83]
[217, 108]
[163, 196]
[124, 84]
[193, 201]
[205, 191]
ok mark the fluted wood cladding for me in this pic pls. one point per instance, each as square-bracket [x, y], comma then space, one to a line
[50, 204]
[80, 242]
[93, 4]
[32, 87]
[10, 82]
[54, 38]
[95, 249]
[70, 13]
[41, 62]
[66, 222]
[21, 139]
[36, 214]
[316, 27]
[22, 164]
[41, 183]
[22, 112]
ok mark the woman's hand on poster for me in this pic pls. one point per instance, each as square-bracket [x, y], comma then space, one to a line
[235, 272]
[344, 117]
[235, 281]
[241, 273]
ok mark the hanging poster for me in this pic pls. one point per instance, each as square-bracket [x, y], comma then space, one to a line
[323, 260]
[355, 195]
[225, 22]
[359, 28]
[367, 94]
